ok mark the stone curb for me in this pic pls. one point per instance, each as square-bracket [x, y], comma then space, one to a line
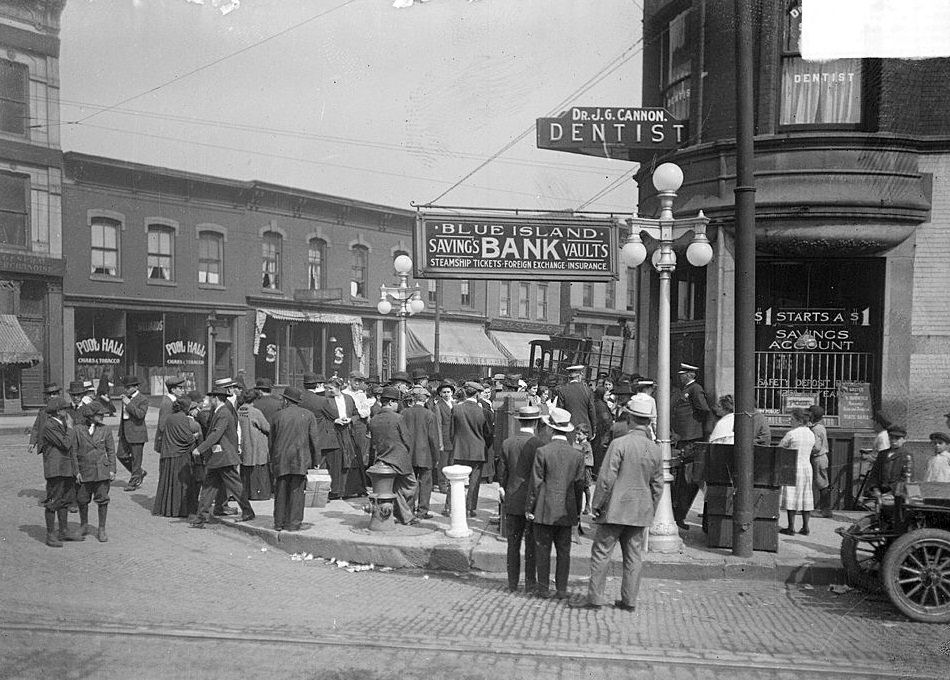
[466, 555]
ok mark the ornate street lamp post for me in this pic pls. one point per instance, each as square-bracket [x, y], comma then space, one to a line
[405, 299]
[667, 178]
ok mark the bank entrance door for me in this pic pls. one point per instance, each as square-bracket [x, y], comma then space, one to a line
[818, 323]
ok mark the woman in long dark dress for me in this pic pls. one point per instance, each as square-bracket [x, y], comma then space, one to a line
[340, 409]
[177, 494]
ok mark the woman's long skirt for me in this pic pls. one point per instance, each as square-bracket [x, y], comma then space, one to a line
[177, 494]
[257, 482]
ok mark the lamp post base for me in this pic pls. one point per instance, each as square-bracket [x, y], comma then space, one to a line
[664, 534]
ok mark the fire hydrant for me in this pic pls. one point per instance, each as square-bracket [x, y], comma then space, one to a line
[382, 500]
[458, 477]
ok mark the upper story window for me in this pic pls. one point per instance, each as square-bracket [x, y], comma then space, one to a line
[359, 280]
[465, 294]
[611, 295]
[688, 294]
[271, 260]
[676, 67]
[587, 295]
[104, 254]
[541, 310]
[431, 292]
[211, 258]
[14, 210]
[160, 257]
[316, 264]
[504, 299]
[14, 97]
[523, 301]
[817, 92]
[631, 289]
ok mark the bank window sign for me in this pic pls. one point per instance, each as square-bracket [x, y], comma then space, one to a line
[506, 246]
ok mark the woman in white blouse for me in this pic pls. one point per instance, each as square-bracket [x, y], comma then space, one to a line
[799, 498]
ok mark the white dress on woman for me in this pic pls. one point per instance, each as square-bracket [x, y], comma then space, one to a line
[800, 497]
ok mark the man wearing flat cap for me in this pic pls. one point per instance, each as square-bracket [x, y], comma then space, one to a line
[891, 465]
[132, 431]
[575, 396]
[938, 467]
[175, 388]
[469, 433]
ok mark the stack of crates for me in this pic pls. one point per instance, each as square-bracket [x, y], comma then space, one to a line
[772, 468]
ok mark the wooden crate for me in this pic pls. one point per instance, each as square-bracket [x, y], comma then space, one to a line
[771, 465]
[719, 508]
[764, 533]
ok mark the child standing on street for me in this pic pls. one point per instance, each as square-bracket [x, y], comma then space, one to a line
[95, 451]
[582, 444]
[60, 469]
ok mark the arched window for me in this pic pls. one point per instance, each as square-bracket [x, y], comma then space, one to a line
[104, 254]
[211, 258]
[270, 260]
[316, 264]
[161, 248]
[359, 281]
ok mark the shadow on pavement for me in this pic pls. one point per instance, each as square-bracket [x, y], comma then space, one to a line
[31, 493]
[35, 531]
[141, 499]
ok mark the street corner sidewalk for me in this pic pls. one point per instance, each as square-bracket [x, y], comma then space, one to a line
[340, 530]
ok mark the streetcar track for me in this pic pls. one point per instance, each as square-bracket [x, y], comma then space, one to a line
[657, 656]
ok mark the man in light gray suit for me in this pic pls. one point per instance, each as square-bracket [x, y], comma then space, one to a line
[628, 491]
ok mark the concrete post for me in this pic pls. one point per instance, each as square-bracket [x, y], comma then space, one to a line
[457, 476]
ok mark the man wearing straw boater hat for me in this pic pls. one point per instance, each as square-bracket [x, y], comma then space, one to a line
[554, 500]
[515, 466]
[629, 486]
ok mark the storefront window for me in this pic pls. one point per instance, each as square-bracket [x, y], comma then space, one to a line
[817, 92]
[818, 323]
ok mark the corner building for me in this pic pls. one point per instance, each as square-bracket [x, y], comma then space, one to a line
[852, 214]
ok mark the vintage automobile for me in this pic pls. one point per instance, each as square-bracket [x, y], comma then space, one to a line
[903, 547]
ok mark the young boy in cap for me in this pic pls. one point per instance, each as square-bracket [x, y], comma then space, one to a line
[95, 454]
[890, 465]
[938, 467]
[60, 468]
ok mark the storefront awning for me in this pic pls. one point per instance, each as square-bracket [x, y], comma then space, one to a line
[459, 343]
[15, 347]
[302, 316]
[515, 345]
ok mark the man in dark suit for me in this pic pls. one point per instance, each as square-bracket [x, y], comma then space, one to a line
[515, 466]
[443, 410]
[132, 431]
[219, 453]
[294, 437]
[469, 434]
[267, 403]
[312, 399]
[575, 396]
[554, 501]
[390, 443]
[344, 461]
[688, 420]
[629, 486]
[423, 433]
[175, 386]
[485, 401]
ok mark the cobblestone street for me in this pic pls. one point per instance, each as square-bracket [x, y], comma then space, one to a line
[160, 600]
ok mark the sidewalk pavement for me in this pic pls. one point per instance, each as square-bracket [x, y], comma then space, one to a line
[21, 423]
[339, 531]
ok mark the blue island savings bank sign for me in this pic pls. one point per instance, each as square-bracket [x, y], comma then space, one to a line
[511, 246]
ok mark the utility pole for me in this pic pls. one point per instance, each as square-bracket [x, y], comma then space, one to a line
[743, 517]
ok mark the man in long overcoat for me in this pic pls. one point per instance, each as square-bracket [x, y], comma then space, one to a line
[629, 486]
[515, 466]
[390, 444]
[132, 431]
[313, 399]
[575, 396]
[267, 403]
[688, 419]
[554, 501]
[294, 438]
[469, 434]
[423, 432]
[219, 453]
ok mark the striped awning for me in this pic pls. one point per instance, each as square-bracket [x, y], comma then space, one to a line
[15, 347]
[515, 344]
[305, 316]
[459, 343]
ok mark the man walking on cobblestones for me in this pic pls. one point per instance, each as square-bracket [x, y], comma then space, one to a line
[628, 491]
[132, 431]
[294, 439]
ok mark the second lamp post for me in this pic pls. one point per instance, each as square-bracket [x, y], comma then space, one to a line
[407, 301]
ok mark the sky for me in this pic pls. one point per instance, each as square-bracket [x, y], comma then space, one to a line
[355, 98]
